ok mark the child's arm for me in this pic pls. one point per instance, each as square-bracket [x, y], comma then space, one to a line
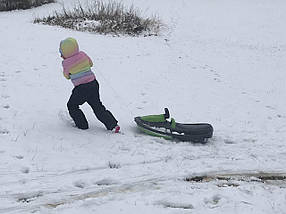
[66, 75]
[66, 72]
[90, 61]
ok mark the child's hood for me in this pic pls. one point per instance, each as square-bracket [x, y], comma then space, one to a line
[68, 47]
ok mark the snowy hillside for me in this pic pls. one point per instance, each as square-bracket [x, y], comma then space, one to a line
[218, 61]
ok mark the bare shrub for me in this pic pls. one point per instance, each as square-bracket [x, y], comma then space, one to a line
[7, 5]
[104, 18]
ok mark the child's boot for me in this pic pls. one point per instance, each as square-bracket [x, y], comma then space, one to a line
[116, 129]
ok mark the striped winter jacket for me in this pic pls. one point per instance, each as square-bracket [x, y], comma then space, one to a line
[76, 64]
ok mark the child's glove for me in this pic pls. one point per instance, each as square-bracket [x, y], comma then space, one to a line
[67, 76]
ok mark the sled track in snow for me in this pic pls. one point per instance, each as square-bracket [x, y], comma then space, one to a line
[52, 175]
[34, 201]
[260, 177]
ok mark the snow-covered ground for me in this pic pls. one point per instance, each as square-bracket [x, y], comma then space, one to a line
[219, 61]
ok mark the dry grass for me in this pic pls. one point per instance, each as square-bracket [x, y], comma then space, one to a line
[7, 5]
[105, 18]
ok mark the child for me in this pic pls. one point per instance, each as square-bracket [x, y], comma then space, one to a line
[77, 67]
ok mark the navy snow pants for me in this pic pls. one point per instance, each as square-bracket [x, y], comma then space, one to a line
[89, 93]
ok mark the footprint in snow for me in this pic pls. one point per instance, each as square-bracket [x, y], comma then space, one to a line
[280, 116]
[270, 107]
[5, 96]
[3, 131]
[228, 141]
[65, 117]
[217, 80]
[6, 106]
[213, 201]
[28, 197]
[80, 184]
[106, 182]
[175, 205]
[25, 170]
[113, 165]
[19, 157]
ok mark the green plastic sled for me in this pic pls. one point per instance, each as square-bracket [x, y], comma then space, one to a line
[158, 125]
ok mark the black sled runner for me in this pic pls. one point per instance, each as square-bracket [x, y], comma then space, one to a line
[158, 125]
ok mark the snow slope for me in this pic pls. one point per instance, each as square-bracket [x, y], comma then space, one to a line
[218, 61]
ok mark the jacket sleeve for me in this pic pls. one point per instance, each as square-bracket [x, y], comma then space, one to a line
[66, 72]
[90, 61]
[66, 76]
